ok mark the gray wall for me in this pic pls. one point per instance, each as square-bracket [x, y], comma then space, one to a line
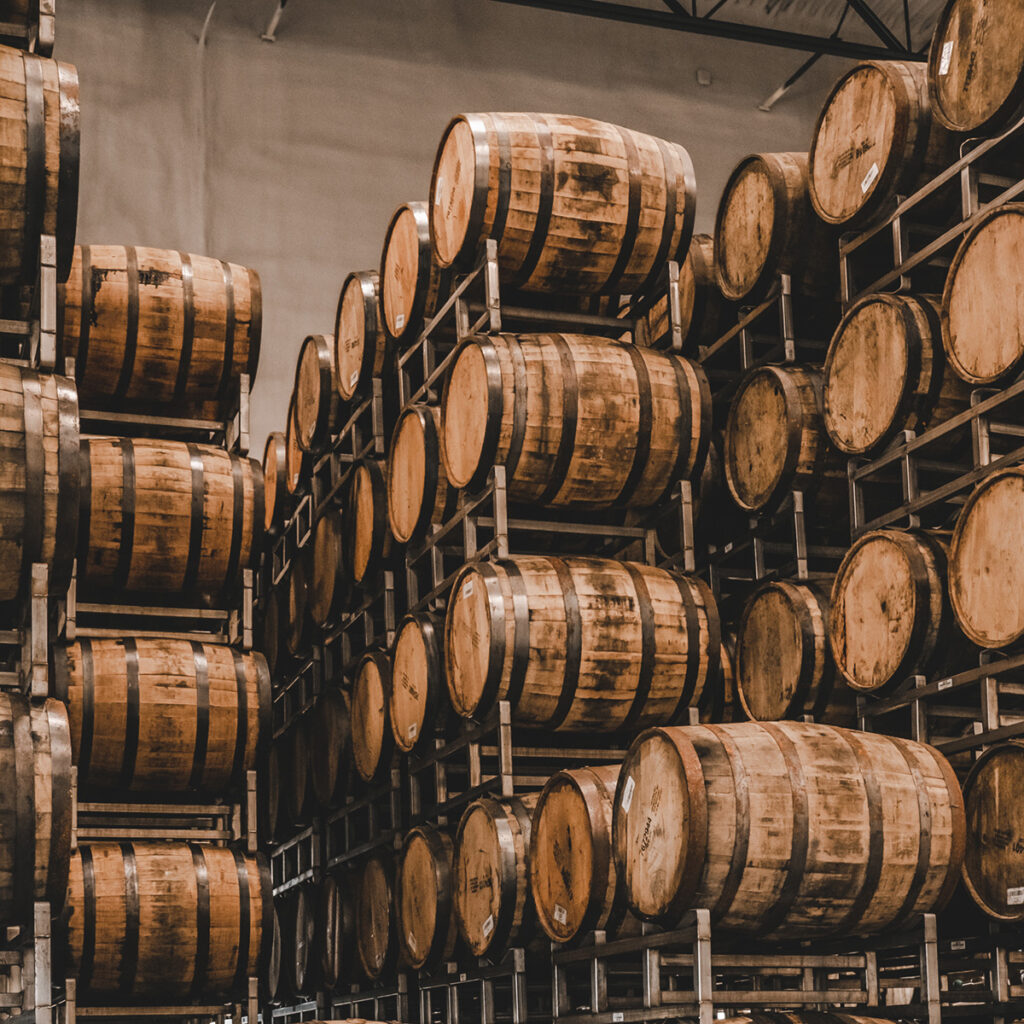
[290, 157]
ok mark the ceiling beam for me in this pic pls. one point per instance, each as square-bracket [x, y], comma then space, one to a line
[720, 29]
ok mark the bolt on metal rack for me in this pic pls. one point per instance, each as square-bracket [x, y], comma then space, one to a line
[660, 976]
[910, 250]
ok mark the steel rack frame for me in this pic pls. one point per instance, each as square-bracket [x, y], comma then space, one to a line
[371, 624]
[915, 242]
[661, 976]
[295, 1014]
[297, 860]
[33, 341]
[298, 692]
[487, 992]
[983, 975]
[371, 818]
[26, 968]
[72, 1011]
[379, 1001]
[932, 472]
[35, 34]
[25, 642]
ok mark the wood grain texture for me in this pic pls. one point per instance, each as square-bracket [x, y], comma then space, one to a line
[275, 481]
[337, 922]
[576, 421]
[158, 328]
[362, 349]
[787, 829]
[331, 747]
[166, 920]
[579, 644]
[423, 897]
[295, 759]
[367, 535]
[161, 716]
[418, 492]
[372, 739]
[417, 680]
[376, 920]
[329, 584]
[317, 403]
[575, 205]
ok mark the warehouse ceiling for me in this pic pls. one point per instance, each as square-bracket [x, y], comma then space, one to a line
[848, 28]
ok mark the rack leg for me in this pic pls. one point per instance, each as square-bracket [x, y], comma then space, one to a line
[702, 983]
[930, 990]
[37, 676]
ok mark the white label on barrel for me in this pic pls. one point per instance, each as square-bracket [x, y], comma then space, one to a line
[958, 944]
[560, 915]
[399, 321]
[411, 939]
[438, 189]
[869, 178]
[618, 1016]
[467, 588]
[1015, 896]
[411, 731]
[488, 925]
[627, 793]
[944, 684]
[947, 56]
[352, 380]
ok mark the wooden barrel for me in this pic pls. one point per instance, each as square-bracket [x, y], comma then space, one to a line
[372, 739]
[985, 564]
[376, 938]
[787, 829]
[178, 920]
[35, 805]
[158, 326]
[270, 982]
[273, 629]
[767, 227]
[993, 870]
[362, 350]
[423, 898]
[295, 759]
[493, 905]
[579, 643]
[635, 193]
[886, 372]
[575, 885]
[890, 617]
[300, 944]
[775, 440]
[317, 403]
[296, 461]
[271, 785]
[39, 193]
[784, 666]
[976, 66]
[167, 516]
[413, 286]
[275, 481]
[983, 302]
[329, 589]
[40, 484]
[576, 421]
[367, 533]
[297, 633]
[418, 492]
[417, 680]
[338, 930]
[330, 747]
[162, 715]
[875, 139]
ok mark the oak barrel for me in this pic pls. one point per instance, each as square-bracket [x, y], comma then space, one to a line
[575, 885]
[367, 532]
[787, 829]
[493, 904]
[376, 924]
[331, 747]
[295, 459]
[875, 139]
[579, 644]
[784, 663]
[176, 920]
[297, 771]
[886, 372]
[298, 631]
[608, 208]
[275, 481]
[149, 326]
[317, 403]
[271, 978]
[163, 715]
[775, 440]
[890, 616]
[39, 190]
[576, 421]
[271, 784]
[418, 492]
[35, 805]
[329, 589]
[362, 350]
[336, 930]
[413, 286]
[976, 66]
[986, 569]
[983, 300]
[302, 947]
[372, 739]
[993, 869]
[39, 489]
[766, 227]
[417, 679]
[272, 634]
[423, 897]
[167, 516]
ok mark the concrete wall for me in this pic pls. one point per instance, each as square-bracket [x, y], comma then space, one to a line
[290, 157]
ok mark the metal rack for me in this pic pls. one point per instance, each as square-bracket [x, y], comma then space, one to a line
[72, 1011]
[26, 965]
[385, 1003]
[372, 818]
[297, 860]
[298, 692]
[694, 972]
[36, 33]
[371, 624]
